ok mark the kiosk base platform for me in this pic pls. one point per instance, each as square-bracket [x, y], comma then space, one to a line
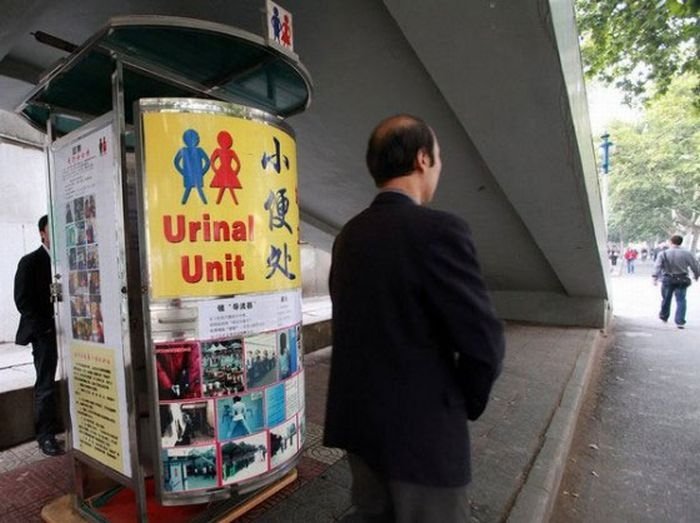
[121, 507]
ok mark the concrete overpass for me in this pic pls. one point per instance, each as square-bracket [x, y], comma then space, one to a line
[500, 82]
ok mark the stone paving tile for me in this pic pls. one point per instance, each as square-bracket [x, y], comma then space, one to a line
[25, 490]
[339, 474]
[314, 435]
[319, 502]
[307, 469]
[9, 461]
[28, 453]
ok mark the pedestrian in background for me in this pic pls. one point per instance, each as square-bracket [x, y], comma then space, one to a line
[416, 343]
[672, 267]
[630, 257]
[36, 326]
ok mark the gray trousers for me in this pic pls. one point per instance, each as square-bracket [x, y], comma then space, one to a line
[378, 500]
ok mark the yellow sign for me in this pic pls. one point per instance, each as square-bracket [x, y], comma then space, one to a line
[221, 205]
[96, 404]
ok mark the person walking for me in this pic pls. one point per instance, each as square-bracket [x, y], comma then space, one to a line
[672, 268]
[630, 257]
[416, 343]
[32, 292]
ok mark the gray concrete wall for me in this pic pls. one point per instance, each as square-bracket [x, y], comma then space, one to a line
[315, 267]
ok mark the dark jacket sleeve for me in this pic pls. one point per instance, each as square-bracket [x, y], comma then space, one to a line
[467, 323]
[30, 300]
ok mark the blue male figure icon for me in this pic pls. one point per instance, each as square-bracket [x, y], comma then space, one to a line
[192, 163]
[276, 24]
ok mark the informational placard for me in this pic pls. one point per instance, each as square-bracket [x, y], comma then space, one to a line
[222, 233]
[221, 195]
[88, 259]
[248, 313]
[93, 388]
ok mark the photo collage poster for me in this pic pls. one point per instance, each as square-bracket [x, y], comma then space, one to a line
[85, 221]
[230, 409]
[84, 269]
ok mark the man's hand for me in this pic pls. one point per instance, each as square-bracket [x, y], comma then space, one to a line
[655, 280]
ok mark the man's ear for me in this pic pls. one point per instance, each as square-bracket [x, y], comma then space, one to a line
[422, 160]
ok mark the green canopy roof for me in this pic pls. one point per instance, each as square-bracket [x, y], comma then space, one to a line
[168, 57]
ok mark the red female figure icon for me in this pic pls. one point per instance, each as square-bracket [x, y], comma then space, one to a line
[222, 162]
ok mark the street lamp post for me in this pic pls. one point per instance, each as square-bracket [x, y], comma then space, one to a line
[605, 147]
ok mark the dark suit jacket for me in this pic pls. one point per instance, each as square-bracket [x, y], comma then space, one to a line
[416, 344]
[33, 296]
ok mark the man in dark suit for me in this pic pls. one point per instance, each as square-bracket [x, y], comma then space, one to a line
[416, 343]
[36, 326]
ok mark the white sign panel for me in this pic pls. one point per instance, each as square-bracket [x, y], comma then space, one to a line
[279, 26]
[88, 259]
[249, 313]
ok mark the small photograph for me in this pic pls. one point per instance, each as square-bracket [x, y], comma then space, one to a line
[73, 259]
[93, 257]
[81, 257]
[244, 458]
[284, 443]
[302, 390]
[72, 283]
[177, 366]
[183, 424]
[80, 232]
[90, 206]
[78, 307]
[78, 210]
[302, 429]
[275, 405]
[71, 236]
[240, 415]
[97, 324]
[69, 212]
[82, 287]
[300, 347]
[94, 282]
[288, 350]
[90, 236]
[291, 397]
[190, 468]
[81, 328]
[222, 363]
[261, 359]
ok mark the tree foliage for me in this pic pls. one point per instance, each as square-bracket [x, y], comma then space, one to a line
[640, 46]
[655, 175]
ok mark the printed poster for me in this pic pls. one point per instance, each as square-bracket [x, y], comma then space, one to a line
[88, 258]
[93, 390]
[221, 194]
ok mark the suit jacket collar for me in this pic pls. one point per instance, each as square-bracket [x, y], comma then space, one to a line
[393, 197]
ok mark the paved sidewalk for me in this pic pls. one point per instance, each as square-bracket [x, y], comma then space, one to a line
[519, 445]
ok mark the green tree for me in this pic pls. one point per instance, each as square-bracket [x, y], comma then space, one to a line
[640, 46]
[655, 175]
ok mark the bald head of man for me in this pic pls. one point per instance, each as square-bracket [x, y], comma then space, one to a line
[403, 153]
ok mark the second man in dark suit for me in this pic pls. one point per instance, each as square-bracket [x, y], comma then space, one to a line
[416, 343]
[36, 326]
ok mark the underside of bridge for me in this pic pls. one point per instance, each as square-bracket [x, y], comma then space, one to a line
[500, 82]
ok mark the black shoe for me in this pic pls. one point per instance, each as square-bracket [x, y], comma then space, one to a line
[50, 447]
[680, 326]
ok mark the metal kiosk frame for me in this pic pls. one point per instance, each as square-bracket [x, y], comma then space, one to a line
[98, 88]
